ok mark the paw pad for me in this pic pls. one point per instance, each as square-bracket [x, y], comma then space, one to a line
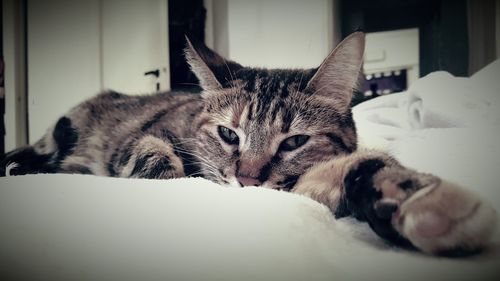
[430, 225]
[446, 217]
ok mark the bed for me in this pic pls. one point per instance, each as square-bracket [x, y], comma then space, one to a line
[81, 227]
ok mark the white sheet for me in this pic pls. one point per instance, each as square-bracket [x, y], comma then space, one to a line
[75, 227]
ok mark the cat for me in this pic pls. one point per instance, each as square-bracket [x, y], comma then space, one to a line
[285, 129]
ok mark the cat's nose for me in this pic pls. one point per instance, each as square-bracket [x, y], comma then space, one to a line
[248, 181]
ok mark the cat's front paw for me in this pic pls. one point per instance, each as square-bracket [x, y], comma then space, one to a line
[444, 218]
[435, 216]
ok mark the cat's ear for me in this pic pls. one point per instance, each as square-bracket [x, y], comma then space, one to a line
[211, 69]
[337, 75]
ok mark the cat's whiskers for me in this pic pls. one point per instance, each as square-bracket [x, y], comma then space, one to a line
[229, 70]
[199, 146]
[185, 141]
[197, 156]
[202, 162]
[208, 172]
[300, 81]
[188, 139]
[207, 168]
[196, 174]
[193, 141]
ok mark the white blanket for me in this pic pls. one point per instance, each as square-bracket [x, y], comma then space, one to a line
[438, 100]
[75, 227]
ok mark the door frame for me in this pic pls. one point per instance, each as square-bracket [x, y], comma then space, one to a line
[14, 48]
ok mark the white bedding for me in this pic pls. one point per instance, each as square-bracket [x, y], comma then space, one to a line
[75, 227]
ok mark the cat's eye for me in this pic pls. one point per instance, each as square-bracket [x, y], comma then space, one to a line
[228, 135]
[293, 142]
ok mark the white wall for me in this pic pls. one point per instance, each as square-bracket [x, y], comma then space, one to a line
[63, 59]
[77, 48]
[299, 33]
[131, 45]
[275, 33]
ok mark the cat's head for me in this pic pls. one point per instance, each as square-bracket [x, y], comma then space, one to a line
[266, 127]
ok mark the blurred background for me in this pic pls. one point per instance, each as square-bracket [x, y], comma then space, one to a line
[56, 53]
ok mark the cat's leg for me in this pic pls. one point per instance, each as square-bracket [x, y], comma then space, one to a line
[153, 157]
[46, 155]
[25, 160]
[400, 204]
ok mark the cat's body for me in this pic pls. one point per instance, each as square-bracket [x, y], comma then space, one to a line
[282, 129]
[104, 131]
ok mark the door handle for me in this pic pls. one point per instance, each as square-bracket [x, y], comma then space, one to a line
[156, 74]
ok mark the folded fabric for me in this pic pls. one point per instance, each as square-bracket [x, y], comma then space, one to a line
[381, 120]
[440, 100]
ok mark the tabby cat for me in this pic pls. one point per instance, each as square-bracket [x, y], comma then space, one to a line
[283, 129]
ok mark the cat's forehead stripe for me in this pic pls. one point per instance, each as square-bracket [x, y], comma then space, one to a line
[256, 79]
[287, 118]
[250, 111]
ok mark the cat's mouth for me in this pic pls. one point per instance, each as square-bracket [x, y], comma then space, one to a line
[233, 182]
[286, 184]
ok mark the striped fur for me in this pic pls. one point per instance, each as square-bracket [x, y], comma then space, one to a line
[175, 134]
